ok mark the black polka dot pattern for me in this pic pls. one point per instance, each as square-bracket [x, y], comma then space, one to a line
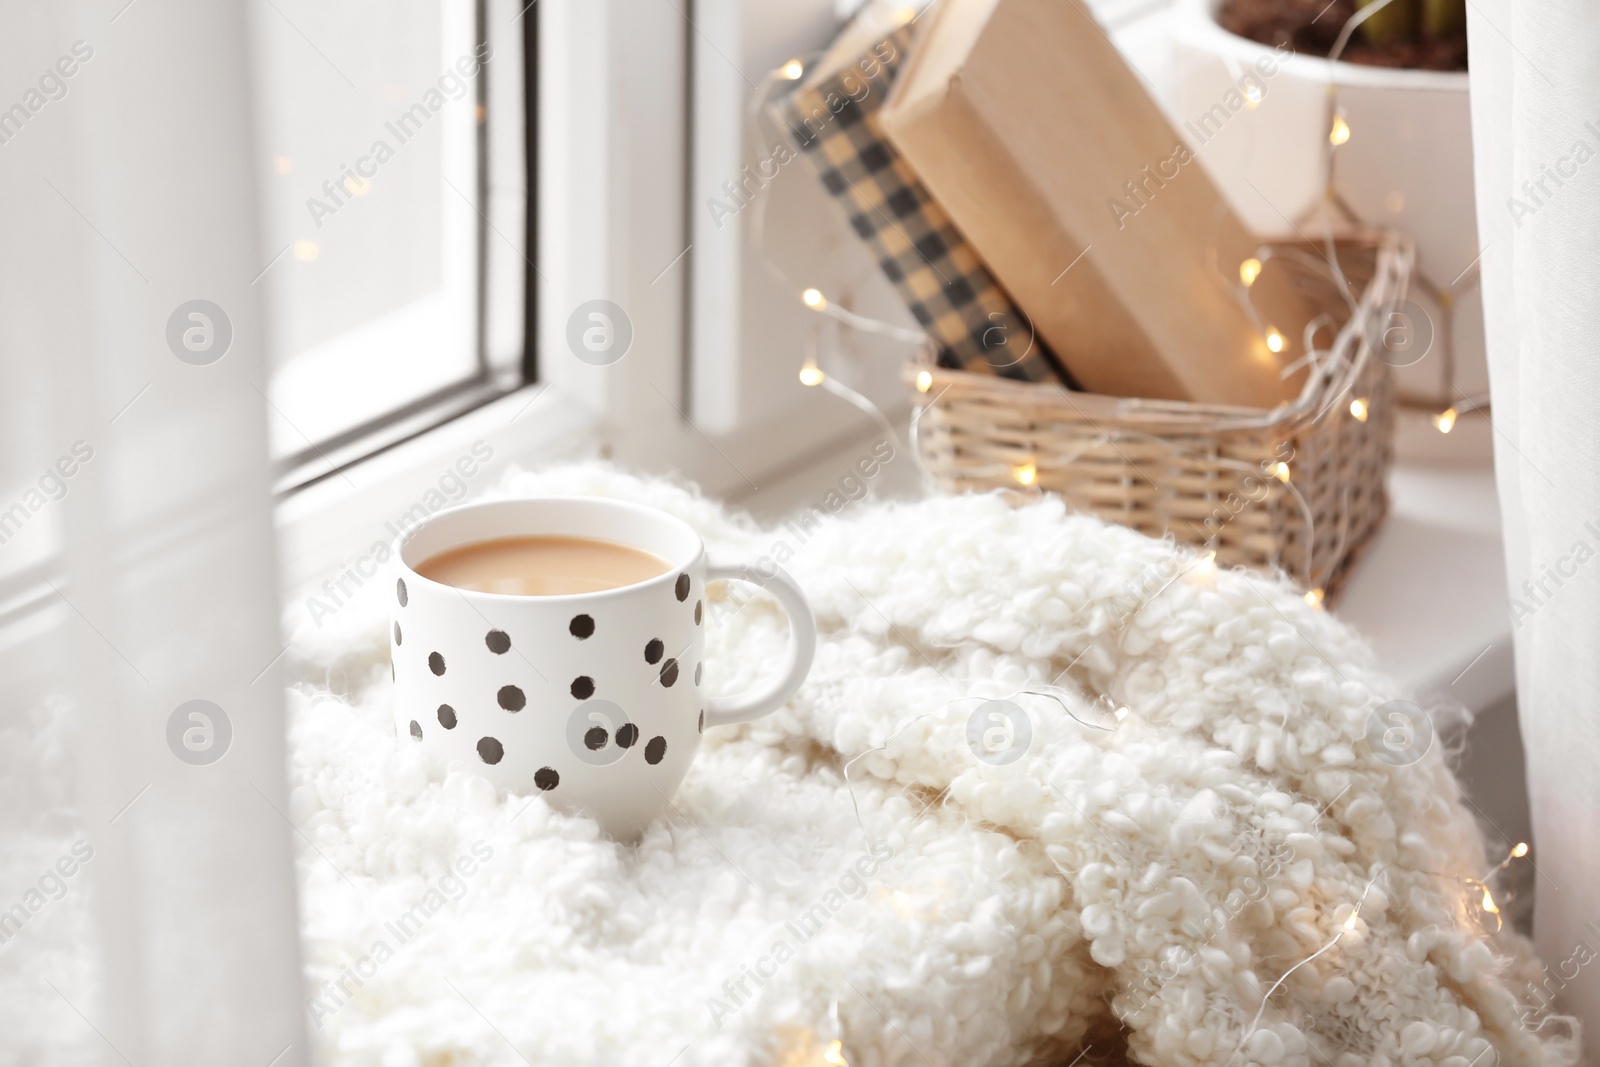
[397, 633]
[512, 698]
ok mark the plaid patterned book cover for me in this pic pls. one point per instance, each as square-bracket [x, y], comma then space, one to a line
[941, 279]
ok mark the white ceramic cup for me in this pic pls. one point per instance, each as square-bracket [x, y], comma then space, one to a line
[596, 700]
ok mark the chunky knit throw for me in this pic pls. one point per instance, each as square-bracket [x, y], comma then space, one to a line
[1053, 790]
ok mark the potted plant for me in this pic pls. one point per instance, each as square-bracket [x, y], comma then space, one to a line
[1401, 139]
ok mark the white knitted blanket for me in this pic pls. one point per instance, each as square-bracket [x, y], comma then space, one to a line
[1135, 886]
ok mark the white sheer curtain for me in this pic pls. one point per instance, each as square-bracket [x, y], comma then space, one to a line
[146, 896]
[1536, 131]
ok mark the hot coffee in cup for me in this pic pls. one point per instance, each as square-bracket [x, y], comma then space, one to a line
[542, 566]
[557, 645]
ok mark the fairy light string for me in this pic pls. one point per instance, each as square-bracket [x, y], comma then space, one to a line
[1029, 473]
[1446, 298]
[1118, 714]
[1248, 271]
[1487, 903]
[1348, 926]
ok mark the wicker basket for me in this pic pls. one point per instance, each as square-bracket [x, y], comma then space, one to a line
[1299, 488]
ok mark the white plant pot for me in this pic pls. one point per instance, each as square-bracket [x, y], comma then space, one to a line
[1407, 164]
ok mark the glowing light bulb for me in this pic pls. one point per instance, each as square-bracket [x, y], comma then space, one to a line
[1026, 474]
[1120, 714]
[1275, 340]
[1445, 421]
[283, 164]
[357, 185]
[905, 14]
[1350, 923]
[1252, 96]
[814, 299]
[793, 70]
[924, 381]
[1521, 850]
[1487, 904]
[835, 1054]
[1280, 471]
[1314, 597]
[1205, 565]
[1340, 133]
[810, 373]
[306, 251]
[1249, 271]
[1358, 409]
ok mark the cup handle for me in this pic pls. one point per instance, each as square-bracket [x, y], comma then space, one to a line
[725, 711]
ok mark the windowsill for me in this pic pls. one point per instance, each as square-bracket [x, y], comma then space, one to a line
[324, 528]
[1430, 592]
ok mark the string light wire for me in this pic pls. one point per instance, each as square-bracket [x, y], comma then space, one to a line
[850, 787]
[812, 374]
[1345, 927]
[1321, 363]
[759, 115]
[1445, 298]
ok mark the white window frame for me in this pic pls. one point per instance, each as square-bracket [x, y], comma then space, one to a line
[333, 399]
[625, 133]
[628, 133]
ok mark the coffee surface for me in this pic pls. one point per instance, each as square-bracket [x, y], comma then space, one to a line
[542, 566]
